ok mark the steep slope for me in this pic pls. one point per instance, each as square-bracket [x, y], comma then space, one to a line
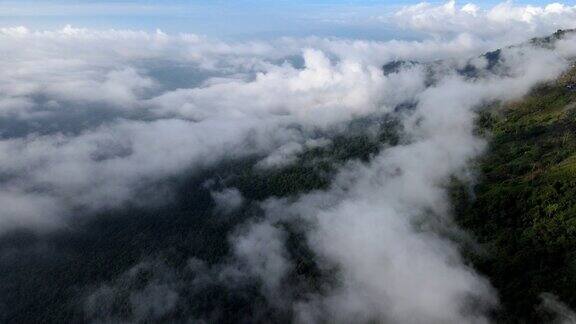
[523, 210]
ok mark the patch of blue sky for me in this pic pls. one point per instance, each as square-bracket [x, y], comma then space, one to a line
[228, 19]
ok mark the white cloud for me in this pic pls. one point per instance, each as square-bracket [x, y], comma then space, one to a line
[262, 252]
[375, 225]
[504, 22]
[265, 99]
[228, 200]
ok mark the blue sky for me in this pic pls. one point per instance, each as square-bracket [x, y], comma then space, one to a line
[220, 18]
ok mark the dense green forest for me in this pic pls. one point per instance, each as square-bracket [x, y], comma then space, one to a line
[523, 209]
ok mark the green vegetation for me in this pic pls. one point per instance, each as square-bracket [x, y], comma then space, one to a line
[52, 287]
[523, 210]
[315, 167]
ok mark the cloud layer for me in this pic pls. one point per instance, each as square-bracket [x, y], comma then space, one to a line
[94, 121]
[506, 19]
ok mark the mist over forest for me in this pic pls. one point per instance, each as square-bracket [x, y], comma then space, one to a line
[154, 177]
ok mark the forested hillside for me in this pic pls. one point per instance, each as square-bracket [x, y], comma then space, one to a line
[523, 209]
